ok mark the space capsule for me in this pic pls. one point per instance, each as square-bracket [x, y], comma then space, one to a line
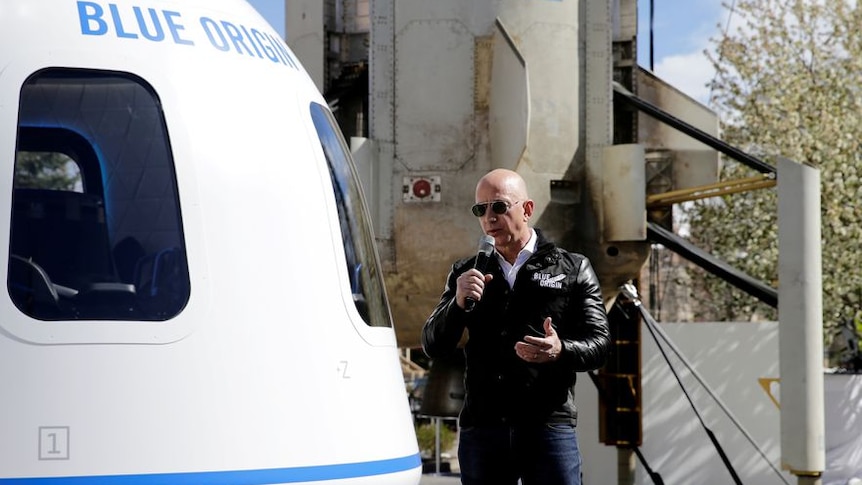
[193, 291]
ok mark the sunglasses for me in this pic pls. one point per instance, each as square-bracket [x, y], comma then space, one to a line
[499, 207]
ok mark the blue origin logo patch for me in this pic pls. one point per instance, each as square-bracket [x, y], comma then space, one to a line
[546, 280]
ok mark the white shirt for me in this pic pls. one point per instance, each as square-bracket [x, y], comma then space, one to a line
[511, 270]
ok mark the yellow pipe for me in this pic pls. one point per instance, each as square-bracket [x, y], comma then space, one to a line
[711, 190]
[700, 188]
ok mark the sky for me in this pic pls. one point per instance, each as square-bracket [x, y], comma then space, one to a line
[272, 11]
[681, 32]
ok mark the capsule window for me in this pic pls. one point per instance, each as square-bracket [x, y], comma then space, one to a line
[363, 267]
[95, 226]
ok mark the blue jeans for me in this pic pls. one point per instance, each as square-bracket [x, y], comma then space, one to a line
[538, 455]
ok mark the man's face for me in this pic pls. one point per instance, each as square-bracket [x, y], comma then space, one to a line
[503, 218]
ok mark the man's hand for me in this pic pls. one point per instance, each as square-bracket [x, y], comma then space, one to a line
[540, 349]
[471, 284]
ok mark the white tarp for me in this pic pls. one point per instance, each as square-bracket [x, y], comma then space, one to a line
[739, 361]
[843, 401]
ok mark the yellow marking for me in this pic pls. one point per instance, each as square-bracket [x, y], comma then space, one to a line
[766, 384]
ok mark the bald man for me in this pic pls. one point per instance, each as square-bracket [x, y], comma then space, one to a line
[539, 319]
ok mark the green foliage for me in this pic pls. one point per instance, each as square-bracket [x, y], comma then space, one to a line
[425, 435]
[788, 85]
[740, 230]
[45, 171]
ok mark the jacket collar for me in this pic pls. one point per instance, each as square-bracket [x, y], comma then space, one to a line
[544, 254]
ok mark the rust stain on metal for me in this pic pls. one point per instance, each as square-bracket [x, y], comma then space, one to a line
[424, 253]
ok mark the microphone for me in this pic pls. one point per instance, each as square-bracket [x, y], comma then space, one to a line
[483, 255]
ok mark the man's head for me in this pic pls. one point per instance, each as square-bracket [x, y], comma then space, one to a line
[504, 210]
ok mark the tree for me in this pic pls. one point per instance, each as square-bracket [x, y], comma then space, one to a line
[46, 170]
[788, 84]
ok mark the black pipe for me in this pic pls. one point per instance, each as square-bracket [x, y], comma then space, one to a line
[699, 135]
[698, 256]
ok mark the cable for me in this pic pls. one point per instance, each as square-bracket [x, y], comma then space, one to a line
[630, 292]
[655, 280]
[731, 10]
[656, 478]
[709, 432]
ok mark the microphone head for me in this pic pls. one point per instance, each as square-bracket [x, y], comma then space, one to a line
[486, 245]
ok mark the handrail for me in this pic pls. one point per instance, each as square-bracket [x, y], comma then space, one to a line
[690, 130]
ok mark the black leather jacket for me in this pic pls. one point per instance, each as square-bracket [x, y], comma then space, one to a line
[500, 387]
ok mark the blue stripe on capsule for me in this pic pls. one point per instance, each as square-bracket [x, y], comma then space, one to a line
[237, 477]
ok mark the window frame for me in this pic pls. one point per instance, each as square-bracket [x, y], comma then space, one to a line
[366, 284]
[114, 329]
